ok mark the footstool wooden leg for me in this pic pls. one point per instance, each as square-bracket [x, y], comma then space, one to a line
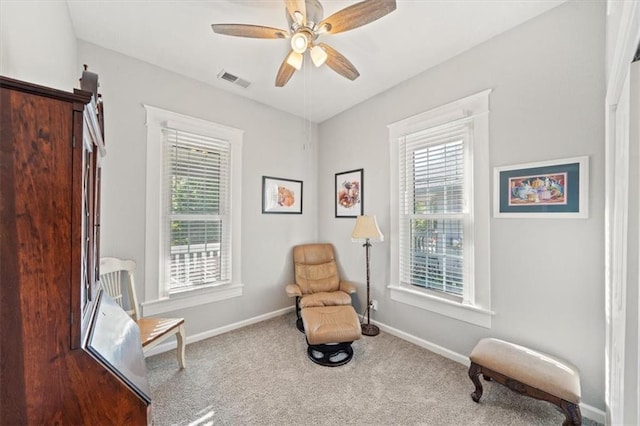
[474, 375]
[571, 413]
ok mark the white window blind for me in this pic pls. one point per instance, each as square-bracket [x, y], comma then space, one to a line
[434, 208]
[198, 236]
[439, 163]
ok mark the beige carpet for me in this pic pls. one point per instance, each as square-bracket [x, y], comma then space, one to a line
[260, 375]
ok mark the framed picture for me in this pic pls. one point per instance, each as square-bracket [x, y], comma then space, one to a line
[281, 195]
[349, 192]
[548, 189]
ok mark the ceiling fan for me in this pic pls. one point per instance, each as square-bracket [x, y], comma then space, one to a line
[306, 24]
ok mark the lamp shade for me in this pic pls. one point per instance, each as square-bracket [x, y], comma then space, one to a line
[295, 60]
[318, 55]
[366, 228]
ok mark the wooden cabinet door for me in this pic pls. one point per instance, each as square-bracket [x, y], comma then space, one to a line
[35, 219]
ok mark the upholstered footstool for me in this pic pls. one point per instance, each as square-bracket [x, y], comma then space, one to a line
[528, 372]
[330, 330]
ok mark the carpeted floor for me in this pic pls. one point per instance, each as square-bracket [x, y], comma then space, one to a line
[260, 375]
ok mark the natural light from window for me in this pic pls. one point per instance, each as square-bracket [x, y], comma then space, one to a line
[192, 242]
[440, 187]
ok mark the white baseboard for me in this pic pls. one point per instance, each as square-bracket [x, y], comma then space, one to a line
[171, 344]
[587, 410]
[424, 344]
[592, 413]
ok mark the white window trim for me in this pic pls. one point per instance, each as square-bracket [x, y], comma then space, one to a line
[155, 302]
[476, 306]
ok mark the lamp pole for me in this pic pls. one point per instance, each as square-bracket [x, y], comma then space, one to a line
[369, 329]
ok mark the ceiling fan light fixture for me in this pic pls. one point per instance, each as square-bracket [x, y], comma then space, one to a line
[295, 60]
[306, 23]
[318, 55]
[299, 42]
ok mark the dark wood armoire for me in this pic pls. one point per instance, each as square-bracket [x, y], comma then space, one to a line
[68, 355]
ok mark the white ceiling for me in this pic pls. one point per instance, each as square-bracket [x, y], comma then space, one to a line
[177, 35]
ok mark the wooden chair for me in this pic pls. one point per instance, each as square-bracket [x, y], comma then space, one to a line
[152, 330]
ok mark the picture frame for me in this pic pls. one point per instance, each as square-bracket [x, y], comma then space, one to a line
[349, 191]
[281, 195]
[547, 189]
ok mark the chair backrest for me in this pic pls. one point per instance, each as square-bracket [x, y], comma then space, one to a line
[315, 268]
[111, 273]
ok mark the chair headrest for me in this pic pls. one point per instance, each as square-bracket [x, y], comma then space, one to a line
[313, 254]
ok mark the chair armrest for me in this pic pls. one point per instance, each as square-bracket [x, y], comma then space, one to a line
[348, 287]
[293, 290]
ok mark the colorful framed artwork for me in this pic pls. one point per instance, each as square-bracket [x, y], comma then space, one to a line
[547, 189]
[349, 192]
[281, 195]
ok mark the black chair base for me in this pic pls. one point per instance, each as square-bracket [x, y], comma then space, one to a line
[331, 355]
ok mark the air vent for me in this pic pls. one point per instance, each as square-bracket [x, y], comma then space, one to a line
[233, 79]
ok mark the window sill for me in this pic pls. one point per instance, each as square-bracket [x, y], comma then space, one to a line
[419, 299]
[188, 299]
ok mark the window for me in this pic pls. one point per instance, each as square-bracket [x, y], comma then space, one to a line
[192, 243]
[434, 215]
[440, 185]
[197, 215]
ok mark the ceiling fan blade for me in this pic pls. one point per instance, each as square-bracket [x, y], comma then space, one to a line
[285, 72]
[314, 12]
[294, 6]
[357, 15]
[337, 62]
[253, 31]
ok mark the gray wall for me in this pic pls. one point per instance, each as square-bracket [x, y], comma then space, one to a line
[38, 44]
[547, 103]
[273, 146]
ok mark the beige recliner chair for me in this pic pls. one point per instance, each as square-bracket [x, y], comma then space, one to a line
[323, 305]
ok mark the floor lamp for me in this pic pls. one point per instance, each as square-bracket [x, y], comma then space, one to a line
[367, 229]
